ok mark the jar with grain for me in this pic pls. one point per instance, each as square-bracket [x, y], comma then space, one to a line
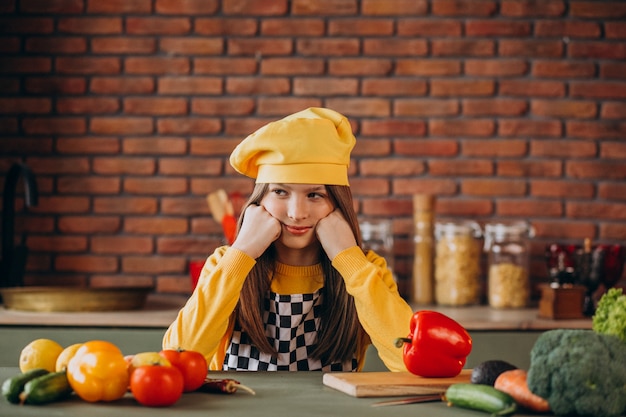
[506, 244]
[457, 262]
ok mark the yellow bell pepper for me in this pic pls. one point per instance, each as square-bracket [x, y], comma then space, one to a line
[98, 372]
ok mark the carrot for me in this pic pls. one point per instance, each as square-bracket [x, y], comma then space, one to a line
[514, 383]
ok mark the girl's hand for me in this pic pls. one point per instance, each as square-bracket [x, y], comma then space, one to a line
[335, 234]
[258, 230]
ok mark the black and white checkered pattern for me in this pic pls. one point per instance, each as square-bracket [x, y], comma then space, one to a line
[291, 327]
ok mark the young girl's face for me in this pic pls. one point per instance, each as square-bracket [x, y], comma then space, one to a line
[298, 207]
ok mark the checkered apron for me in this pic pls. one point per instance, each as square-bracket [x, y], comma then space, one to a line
[292, 322]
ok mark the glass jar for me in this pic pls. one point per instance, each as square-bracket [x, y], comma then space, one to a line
[377, 235]
[507, 250]
[457, 262]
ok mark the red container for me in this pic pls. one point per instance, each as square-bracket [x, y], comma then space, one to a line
[195, 268]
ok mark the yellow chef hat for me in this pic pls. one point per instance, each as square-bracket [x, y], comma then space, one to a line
[309, 147]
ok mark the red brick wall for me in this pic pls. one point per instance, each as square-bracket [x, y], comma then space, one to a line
[127, 112]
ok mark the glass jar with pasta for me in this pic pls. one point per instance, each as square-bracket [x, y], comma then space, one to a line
[457, 262]
[508, 282]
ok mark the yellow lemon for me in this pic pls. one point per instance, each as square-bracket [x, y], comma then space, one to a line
[66, 355]
[40, 353]
[146, 358]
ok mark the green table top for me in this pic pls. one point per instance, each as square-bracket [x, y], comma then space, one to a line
[277, 394]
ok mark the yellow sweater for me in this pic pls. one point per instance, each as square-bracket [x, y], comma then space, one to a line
[204, 323]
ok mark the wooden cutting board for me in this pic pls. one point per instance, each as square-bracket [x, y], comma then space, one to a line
[390, 384]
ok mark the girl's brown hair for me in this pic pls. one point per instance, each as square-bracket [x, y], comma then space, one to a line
[339, 324]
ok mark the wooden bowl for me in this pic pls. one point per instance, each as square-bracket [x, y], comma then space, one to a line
[50, 299]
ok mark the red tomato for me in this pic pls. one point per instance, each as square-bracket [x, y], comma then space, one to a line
[156, 385]
[191, 364]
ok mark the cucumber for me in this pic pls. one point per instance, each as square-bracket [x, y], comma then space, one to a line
[46, 389]
[13, 387]
[480, 397]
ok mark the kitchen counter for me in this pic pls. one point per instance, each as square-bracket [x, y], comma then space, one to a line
[277, 393]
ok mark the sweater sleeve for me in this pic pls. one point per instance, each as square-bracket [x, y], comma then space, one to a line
[383, 313]
[203, 322]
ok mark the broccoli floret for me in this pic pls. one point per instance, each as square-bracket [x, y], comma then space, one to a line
[610, 316]
[579, 372]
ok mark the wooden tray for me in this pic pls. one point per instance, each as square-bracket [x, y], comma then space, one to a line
[50, 299]
[390, 384]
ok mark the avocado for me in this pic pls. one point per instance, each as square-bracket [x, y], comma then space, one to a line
[487, 372]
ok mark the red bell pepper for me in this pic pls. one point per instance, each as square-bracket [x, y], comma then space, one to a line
[436, 347]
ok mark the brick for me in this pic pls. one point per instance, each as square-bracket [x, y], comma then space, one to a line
[87, 105]
[324, 86]
[88, 145]
[496, 28]
[257, 8]
[462, 47]
[123, 45]
[85, 263]
[56, 45]
[461, 87]
[174, 284]
[213, 146]
[121, 245]
[189, 85]
[368, 66]
[225, 26]
[429, 27]
[121, 125]
[371, 147]
[595, 129]
[597, 50]
[125, 205]
[184, 206]
[531, 8]
[493, 187]
[190, 166]
[279, 106]
[151, 146]
[187, 126]
[428, 67]
[169, 245]
[494, 107]
[363, 107]
[528, 208]
[466, 208]
[410, 186]
[394, 128]
[225, 66]
[56, 125]
[48, 85]
[25, 65]
[90, 25]
[598, 90]
[127, 165]
[531, 88]
[298, 27]
[576, 109]
[25, 146]
[595, 210]
[27, 25]
[222, 106]
[613, 150]
[386, 206]
[496, 68]
[615, 70]
[122, 85]
[158, 25]
[615, 30]
[561, 189]
[566, 149]
[612, 191]
[530, 48]
[155, 106]
[9, 85]
[119, 7]
[598, 169]
[328, 47]
[156, 226]
[118, 280]
[524, 168]
[564, 229]
[52, 7]
[594, 9]
[523, 127]
[426, 147]
[186, 7]
[565, 69]
[18, 105]
[502, 148]
[8, 125]
[292, 66]
[57, 244]
[242, 127]
[259, 46]
[613, 110]
[10, 44]
[191, 46]
[157, 65]
[89, 224]
[88, 185]
[276, 86]
[394, 47]
[155, 186]
[87, 66]
[567, 28]
[369, 186]
[337, 26]
[613, 231]
[474, 167]
[63, 205]
[466, 127]
[393, 7]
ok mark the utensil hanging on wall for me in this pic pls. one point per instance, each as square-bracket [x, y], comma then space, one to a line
[223, 213]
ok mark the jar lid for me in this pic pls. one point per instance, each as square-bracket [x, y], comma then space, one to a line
[457, 227]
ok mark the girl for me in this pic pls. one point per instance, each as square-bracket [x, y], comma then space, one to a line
[295, 291]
